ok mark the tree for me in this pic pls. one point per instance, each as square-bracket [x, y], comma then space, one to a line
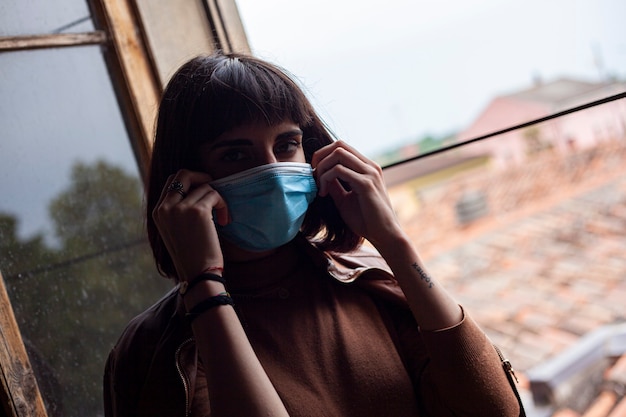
[72, 301]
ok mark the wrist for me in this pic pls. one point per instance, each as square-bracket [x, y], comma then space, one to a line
[187, 285]
[201, 292]
[209, 303]
[393, 245]
[187, 276]
[205, 285]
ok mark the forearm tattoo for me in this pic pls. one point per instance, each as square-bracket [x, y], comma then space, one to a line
[423, 275]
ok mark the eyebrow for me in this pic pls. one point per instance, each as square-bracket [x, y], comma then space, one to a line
[230, 142]
[290, 133]
[248, 142]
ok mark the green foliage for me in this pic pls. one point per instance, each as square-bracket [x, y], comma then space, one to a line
[100, 196]
[425, 144]
[73, 300]
[430, 143]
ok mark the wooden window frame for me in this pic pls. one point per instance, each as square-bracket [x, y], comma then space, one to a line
[132, 65]
[19, 392]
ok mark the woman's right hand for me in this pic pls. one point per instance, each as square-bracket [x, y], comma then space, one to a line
[237, 382]
[185, 222]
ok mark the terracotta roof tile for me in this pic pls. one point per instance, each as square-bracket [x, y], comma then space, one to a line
[602, 405]
[619, 410]
[566, 413]
[546, 266]
[617, 374]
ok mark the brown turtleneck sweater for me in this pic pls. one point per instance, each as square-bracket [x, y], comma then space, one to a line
[335, 349]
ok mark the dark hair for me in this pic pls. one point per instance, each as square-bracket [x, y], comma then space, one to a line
[210, 95]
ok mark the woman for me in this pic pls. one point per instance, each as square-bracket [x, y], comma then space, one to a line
[258, 214]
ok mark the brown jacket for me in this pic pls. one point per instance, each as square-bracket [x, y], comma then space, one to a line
[153, 369]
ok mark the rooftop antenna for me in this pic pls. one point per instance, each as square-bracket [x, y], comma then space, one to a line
[598, 61]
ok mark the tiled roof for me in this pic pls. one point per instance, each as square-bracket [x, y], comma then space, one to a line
[556, 91]
[541, 100]
[422, 167]
[546, 266]
[609, 400]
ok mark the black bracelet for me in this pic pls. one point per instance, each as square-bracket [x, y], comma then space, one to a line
[207, 276]
[219, 300]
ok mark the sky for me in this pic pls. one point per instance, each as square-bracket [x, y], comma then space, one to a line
[380, 76]
[383, 74]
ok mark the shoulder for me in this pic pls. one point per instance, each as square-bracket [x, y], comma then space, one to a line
[130, 359]
[151, 322]
[143, 334]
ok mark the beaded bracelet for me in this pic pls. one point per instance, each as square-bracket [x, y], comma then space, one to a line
[221, 299]
[185, 286]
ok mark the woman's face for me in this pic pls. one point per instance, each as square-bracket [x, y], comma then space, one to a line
[252, 145]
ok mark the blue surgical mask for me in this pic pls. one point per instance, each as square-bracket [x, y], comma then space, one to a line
[267, 204]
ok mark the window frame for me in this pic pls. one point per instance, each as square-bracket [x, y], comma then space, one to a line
[129, 54]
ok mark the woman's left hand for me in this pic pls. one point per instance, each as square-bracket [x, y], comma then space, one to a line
[363, 203]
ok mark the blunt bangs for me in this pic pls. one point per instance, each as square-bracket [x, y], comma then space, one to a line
[239, 92]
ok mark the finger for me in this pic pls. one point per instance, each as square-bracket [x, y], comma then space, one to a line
[336, 190]
[322, 153]
[191, 179]
[187, 228]
[345, 155]
[345, 166]
[206, 196]
[174, 190]
[178, 185]
[345, 178]
[342, 156]
[169, 197]
[222, 215]
[165, 190]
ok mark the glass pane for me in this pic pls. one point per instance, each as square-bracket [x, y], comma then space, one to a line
[527, 230]
[34, 17]
[72, 246]
[402, 76]
[161, 19]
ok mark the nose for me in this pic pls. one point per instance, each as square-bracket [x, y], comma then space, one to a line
[267, 157]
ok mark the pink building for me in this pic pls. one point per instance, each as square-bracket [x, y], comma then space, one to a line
[582, 129]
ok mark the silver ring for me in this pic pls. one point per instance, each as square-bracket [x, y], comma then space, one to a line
[178, 187]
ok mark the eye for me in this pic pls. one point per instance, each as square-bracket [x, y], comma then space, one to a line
[288, 147]
[234, 155]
